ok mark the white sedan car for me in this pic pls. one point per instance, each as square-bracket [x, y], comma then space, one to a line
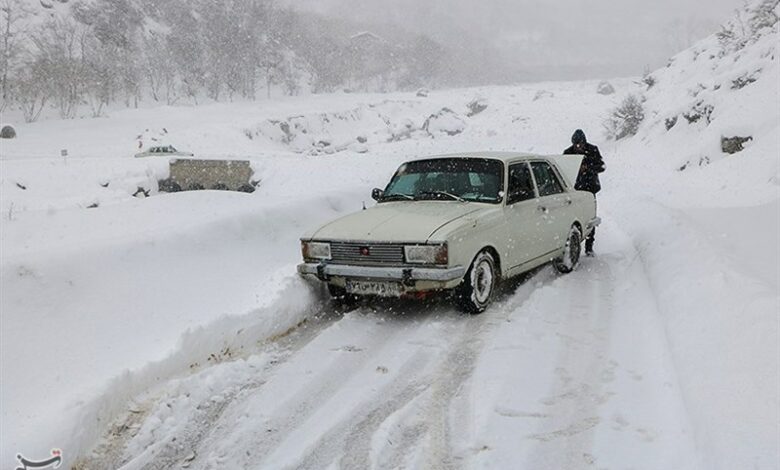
[163, 151]
[457, 222]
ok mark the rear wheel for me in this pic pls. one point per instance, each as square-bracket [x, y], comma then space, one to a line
[571, 252]
[474, 294]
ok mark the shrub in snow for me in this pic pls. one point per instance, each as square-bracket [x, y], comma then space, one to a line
[648, 79]
[476, 106]
[543, 94]
[7, 132]
[733, 145]
[624, 120]
[699, 110]
[670, 122]
[764, 15]
[750, 24]
[605, 88]
[445, 121]
[745, 80]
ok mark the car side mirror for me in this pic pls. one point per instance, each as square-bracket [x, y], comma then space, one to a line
[376, 194]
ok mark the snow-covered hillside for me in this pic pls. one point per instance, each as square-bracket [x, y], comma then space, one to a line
[724, 87]
[171, 330]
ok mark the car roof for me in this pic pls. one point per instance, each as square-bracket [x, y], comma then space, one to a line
[491, 154]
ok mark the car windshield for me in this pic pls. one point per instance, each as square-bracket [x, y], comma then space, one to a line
[466, 179]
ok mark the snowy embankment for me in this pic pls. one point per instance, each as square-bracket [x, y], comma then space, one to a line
[705, 225]
[116, 286]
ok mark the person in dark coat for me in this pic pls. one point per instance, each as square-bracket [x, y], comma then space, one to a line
[588, 177]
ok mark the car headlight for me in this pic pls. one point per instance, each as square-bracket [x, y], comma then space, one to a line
[426, 254]
[315, 250]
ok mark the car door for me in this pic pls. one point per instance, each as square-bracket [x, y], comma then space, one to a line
[524, 230]
[553, 206]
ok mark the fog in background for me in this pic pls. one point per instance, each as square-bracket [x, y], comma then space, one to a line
[505, 41]
[88, 55]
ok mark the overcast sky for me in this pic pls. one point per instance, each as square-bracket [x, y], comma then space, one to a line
[561, 39]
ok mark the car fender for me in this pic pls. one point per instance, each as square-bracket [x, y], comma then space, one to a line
[467, 236]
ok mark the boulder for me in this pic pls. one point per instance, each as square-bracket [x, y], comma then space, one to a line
[733, 145]
[605, 88]
[445, 121]
[476, 106]
[7, 132]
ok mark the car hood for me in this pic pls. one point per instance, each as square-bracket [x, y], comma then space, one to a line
[410, 221]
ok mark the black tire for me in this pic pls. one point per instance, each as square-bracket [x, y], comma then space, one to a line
[571, 252]
[340, 295]
[195, 187]
[220, 187]
[475, 292]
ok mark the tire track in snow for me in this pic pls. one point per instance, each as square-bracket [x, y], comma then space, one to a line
[272, 419]
[582, 368]
[111, 452]
[434, 396]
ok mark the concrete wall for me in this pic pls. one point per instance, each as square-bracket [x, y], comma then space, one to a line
[210, 174]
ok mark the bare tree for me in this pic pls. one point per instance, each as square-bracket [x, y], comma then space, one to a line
[12, 35]
[33, 90]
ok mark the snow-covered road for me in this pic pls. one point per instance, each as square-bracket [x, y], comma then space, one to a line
[563, 372]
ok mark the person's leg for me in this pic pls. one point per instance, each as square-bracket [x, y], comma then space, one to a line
[589, 241]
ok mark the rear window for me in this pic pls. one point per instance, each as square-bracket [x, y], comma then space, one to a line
[546, 179]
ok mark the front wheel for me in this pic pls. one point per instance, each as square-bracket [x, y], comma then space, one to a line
[571, 252]
[474, 294]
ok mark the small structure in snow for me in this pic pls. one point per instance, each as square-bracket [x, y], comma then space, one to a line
[194, 174]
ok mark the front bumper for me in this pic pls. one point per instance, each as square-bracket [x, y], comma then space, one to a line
[413, 278]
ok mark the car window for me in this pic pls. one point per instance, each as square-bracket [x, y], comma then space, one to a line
[406, 184]
[546, 179]
[521, 186]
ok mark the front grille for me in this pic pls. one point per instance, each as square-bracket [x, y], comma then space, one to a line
[378, 253]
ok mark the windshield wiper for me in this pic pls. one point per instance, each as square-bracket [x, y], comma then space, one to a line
[390, 197]
[443, 193]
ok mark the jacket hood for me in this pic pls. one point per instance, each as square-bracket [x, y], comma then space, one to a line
[402, 221]
[578, 137]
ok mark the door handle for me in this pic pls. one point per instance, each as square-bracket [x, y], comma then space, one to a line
[543, 209]
[568, 201]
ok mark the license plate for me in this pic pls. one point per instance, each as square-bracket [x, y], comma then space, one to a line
[383, 289]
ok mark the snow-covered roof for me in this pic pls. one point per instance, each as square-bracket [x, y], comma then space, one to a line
[366, 35]
[504, 156]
